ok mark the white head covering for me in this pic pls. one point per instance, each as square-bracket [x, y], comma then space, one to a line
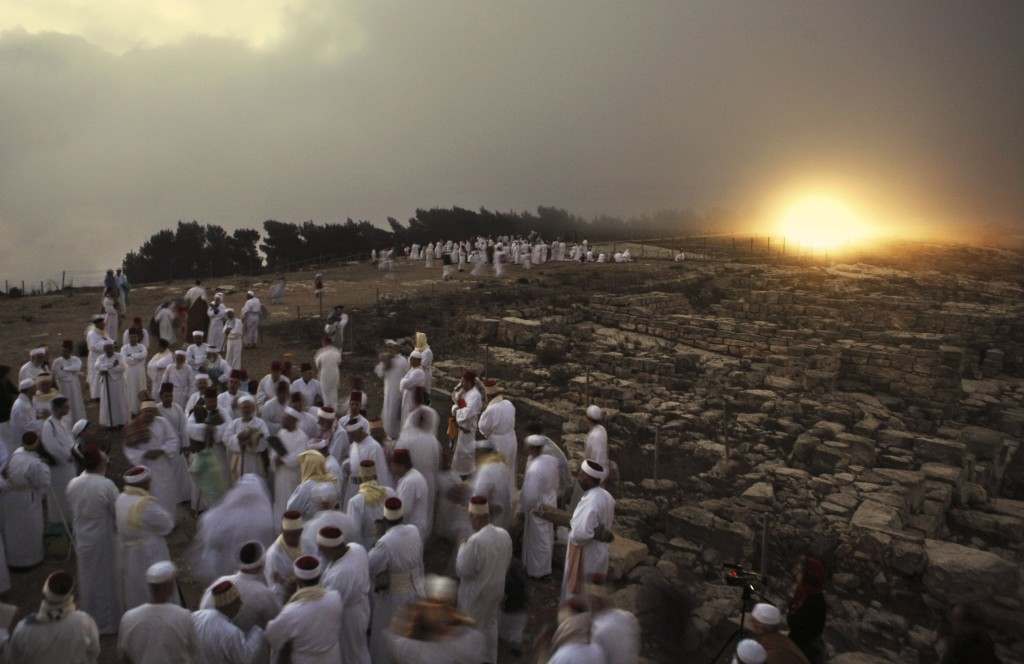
[440, 588]
[224, 593]
[37, 351]
[255, 563]
[292, 412]
[415, 355]
[25, 384]
[79, 427]
[393, 510]
[246, 398]
[354, 424]
[594, 412]
[197, 333]
[535, 441]
[201, 376]
[136, 475]
[161, 572]
[766, 614]
[326, 536]
[306, 568]
[594, 469]
[750, 651]
[324, 414]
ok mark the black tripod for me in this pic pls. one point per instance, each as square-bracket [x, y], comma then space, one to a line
[748, 593]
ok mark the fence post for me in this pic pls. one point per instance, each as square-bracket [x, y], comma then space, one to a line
[62, 273]
[298, 312]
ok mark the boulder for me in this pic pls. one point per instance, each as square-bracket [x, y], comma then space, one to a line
[860, 449]
[760, 492]
[733, 540]
[518, 332]
[939, 450]
[872, 514]
[958, 573]
[997, 527]
[623, 555]
[985, 444]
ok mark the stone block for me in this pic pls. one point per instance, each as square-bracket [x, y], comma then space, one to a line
[760, 492]
[623, 555]
[732, 539]
[984, 443]
[829, 457]
[907, 558]
[860, 449]
[939, 450]
[957, 573]
[872, 514]
[993, 527]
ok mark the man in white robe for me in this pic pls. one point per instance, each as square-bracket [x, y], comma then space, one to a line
[328, 360]
[166, 322]
[306, 419]
[590, 530]
[194, 293]
[95, 336]
[175, 416]
[157, 367]
[366, 507]
[232, 339]
[566, 481]
[260, 604]
[92, 497]
[391, 369]
[136, 327]
[217, 368]
[481, 565]
[23, 415]
[201, 382]
[252, 315]
[142, 526]
[346, 570]
[158, 629]
[59, 444]
[181, 376]
[363, 446]
[467, 404]
[135, 371]
[268, 385]
[286, 464]
[309, 387]
[411, 487]
[272, 412]
[219, 639]
[36, 364]
[419, 437]
[246, 440]
[28, 482]
[414, 378]
[596, 445]
[309, 621]
[110, 368]
[57, 632]
[498, 425]
[278, 569]
[426, 360]
[195, 354]
[152, 442]
[227, 400]
[67, 372]
[493, 481]
[540, 488]
[616, 631]
[336, 324]
[396, 561]
[215, 333]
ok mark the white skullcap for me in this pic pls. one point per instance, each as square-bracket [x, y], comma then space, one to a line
[250, 293]
[594, 412]
[229, 310]
[292, 412]
[79, 427]
[245, 398]
[478, 505]
[224, 593]
[330, 536]
[750, 651]
[108, 342]
[251, 556]
[25, 384]
[440, 588]
[200, 377]
[393, 510]
[180, 353]
[324, 414]
[535, 441]
[416, 355]
[766, 614]
[390, 342]
[37, 351]
[306, 568]
[136, 475]
[147, 404]
[161, 572]
[325, 492]
[211, 349]
[197, 333]
[594, 469]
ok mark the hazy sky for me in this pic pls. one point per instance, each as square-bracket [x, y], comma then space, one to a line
[120, 117]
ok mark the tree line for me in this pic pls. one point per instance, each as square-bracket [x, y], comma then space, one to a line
[195, 250]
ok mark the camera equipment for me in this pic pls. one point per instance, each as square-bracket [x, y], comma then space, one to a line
[737, 576]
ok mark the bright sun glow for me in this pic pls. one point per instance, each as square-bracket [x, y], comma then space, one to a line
[822, 221]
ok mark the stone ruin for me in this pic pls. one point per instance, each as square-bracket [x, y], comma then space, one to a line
[867, 415]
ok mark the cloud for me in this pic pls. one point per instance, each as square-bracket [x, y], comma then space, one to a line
[118, 118]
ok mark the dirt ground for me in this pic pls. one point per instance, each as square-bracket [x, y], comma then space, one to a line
[46, 320]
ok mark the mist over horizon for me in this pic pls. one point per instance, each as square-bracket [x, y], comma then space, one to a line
[115, 124]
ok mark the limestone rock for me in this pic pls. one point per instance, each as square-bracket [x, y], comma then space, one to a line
[872, 514]
[733, 540]
[958, 573]
[999, 527]
[623, 555]
[857, 658]
[760, 492]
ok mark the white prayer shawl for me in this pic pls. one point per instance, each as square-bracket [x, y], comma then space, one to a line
[365, 517]
[391, 409]
[164, 485]
[464, 459]
[310, 391]
[59, 443]
[494, 481]
[272, 412]
[156, 368]
[183, 379]
[596, 445]
[349, 576]
[135, 374]
[595, 507]
[23, 419]
[540, 487]
[286, 468]
[481, 565]
[327, 361]
[398, 556]
[617, 632]
[249, 460]
[463, 646]
[414, 493]
[414, 378]
[28, 481]
[498, 425]
[233, 342]
[425, 452]
[370, 449]
[312, 629]
[266, 391]
[68, 375]
[252, 313]
[158, 634]
[215, 333]
[113, 391]
[195, 357]
[579, 653]
[92, 498]
[260, 603]
[166, 320]
[71, 640]
[221, 642]
[94, 340]
[140, 545]
[243, 515]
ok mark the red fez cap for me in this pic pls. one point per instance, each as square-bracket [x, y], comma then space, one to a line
[470, 375]
[393, 503]
[367, 463]
[401, 455]
[355, 397]
[330, 532]
[236, 373]
[222, 587]
[307, 563]
[67, 343]
[275, 365]
[306, 366]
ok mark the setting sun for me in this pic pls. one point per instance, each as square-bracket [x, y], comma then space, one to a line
[822, 221]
